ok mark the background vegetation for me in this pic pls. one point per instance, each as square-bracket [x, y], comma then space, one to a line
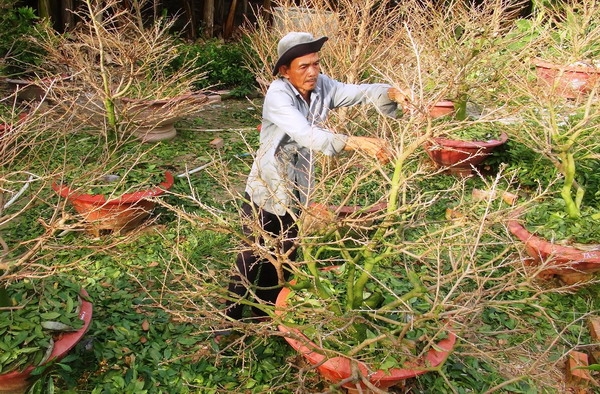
[159, 291]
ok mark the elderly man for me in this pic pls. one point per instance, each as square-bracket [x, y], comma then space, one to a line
[295, 109]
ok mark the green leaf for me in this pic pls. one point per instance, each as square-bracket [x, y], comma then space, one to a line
[50, 315]
[388, 363]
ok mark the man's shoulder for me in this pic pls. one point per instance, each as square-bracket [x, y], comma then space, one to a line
[278, 84]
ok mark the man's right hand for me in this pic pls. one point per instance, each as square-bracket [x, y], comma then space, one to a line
[374, 147]
[317, 218]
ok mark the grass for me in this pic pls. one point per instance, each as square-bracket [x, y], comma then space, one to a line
[158, 291]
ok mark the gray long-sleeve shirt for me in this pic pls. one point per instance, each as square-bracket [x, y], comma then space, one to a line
[281, 175]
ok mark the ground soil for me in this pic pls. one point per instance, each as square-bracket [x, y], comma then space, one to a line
[231, 114]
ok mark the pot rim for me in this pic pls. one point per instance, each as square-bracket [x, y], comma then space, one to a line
[310, 350]
[569, 257]
[127, 198]
[451, 143]
[568, 68]
[65, 343]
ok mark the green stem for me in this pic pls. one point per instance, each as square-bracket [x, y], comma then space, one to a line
[350, 275]
[357, 288]
[461, 107]
[109, 106]
[568, 166]
[311, 263]
[359, 284]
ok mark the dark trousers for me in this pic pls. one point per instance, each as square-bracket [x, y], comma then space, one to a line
[259, 273]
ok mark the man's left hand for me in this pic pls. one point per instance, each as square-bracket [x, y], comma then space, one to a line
[400, 96]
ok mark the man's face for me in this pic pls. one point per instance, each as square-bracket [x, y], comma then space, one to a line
[303, 72]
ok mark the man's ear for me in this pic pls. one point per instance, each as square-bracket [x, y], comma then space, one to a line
[283, 71]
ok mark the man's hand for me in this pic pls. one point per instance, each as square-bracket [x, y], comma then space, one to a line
[374, 147]
[317, 218]
[400, 96]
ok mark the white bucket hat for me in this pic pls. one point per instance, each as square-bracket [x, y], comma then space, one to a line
[296, 44]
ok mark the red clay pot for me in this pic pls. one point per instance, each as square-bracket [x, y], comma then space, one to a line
[155, 119]
[442, 108]
[567, 262]
[17, 382]
[337, 369]
[123, 213]
[461, 156]
[8, 126]
[345, 211]
[566, 81]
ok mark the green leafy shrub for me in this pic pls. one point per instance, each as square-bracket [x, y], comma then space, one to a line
[224, 64]
[17, 51]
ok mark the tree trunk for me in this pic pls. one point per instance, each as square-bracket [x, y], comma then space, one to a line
[228, 30]
[191, 21]
[209, 17]
[68, 22]
[44, 9]
[266, 10]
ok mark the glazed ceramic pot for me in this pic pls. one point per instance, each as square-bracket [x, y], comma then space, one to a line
[569, 81]
[154, 120]
[442, 108]
[18, 382]
[338, 369]
[26, 90]
[460, 157]
[119, 214]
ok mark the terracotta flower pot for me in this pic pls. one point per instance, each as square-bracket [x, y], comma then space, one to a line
[569, 263]
[17, 382]
[26, 90]
[569, 81]
[154, 120]
[6, 127]
[461, 156]
[337, 369]
[123, 213]
[345, 211]
[442, 108]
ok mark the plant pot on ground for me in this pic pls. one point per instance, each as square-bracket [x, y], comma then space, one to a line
[442, 108]
[351, 373]
[111, 210]
[571, 260]
[564, 134]
[565, 41]
[570, 263]
[349, 300]
[26, 90]
[559, 246]
[48, 317]
[465, 147]
[567, 80]
[154, 120]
